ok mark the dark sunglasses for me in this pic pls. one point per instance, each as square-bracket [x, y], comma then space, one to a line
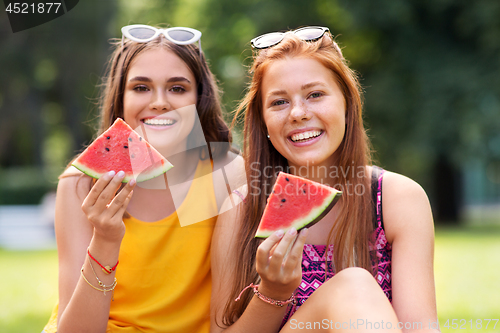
[308, 34]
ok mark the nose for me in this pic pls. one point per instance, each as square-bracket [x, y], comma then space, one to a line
[299, 112]
[159, 102]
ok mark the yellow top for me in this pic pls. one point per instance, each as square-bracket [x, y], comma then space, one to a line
[164, 281]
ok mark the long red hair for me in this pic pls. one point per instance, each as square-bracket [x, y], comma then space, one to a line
[350, 232]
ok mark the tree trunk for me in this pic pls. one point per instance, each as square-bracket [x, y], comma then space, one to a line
[447, 192]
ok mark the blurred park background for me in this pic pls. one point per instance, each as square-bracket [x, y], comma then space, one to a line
[431, 74]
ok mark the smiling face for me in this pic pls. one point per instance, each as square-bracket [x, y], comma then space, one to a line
[304, 111]
[160, 98]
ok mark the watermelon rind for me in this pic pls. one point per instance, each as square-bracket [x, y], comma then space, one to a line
[141, 178]
[159, 167]
[315, 215]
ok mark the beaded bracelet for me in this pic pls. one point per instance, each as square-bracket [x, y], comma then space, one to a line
[238, 193]
[104, 287]
[267, 299]
[101, 284]
[105, 269]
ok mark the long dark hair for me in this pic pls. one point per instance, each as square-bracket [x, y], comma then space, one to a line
[208, 103]
[354, 223]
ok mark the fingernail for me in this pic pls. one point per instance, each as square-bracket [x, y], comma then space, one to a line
[121, 174]
[132, 182]
[292, 231]
[279, 233]
[304, 231]
[109, 175]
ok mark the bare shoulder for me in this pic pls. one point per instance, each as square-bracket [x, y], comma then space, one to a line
[399, 189]
[405, 205]
[73, 182]
[233, 164]
[70, 221]
[397, 184]
[71, 171]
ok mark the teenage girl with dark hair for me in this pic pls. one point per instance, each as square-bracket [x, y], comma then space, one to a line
[155, 274]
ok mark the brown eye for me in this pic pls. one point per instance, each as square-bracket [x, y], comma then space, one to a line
[141, 88]
[177, 89]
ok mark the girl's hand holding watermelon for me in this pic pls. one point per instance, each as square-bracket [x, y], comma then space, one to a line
[280, 273]
[104, 210]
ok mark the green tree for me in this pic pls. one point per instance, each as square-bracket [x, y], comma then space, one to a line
[47, 84]
[432, 93]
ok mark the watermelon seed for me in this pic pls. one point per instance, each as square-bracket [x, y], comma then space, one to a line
[283, 200]
[107, 149]
[125, 147]
[130, 139]
[140, 138]
[304, 191]
[108, 137]
[132, 156]
[287, 179]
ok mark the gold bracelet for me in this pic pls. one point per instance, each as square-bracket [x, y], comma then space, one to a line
[104, 290]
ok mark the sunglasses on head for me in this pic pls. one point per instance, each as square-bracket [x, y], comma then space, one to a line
[308, 34]
[178, 35]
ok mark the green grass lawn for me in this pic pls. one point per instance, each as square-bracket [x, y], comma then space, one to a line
[28, 290]
[467, 270]
[467, 273]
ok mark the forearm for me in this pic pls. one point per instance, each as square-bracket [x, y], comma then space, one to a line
[259, 317]
[88, 309]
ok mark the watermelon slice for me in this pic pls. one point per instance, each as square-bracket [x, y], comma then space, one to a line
[120, 148]
[295, 202]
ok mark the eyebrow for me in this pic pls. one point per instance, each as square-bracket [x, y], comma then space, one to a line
[172, 79]
[178, 79]
[312, 84]
[304, 87]
[277, 92]
[140, 78]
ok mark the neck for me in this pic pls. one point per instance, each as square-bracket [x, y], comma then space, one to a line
[327, 173]
[184, 168]
[186, 163]
[318, 173]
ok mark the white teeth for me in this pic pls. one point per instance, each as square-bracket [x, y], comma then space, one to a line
[305, 135]
[159, 122]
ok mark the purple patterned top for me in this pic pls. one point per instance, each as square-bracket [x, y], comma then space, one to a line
[313, 259]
